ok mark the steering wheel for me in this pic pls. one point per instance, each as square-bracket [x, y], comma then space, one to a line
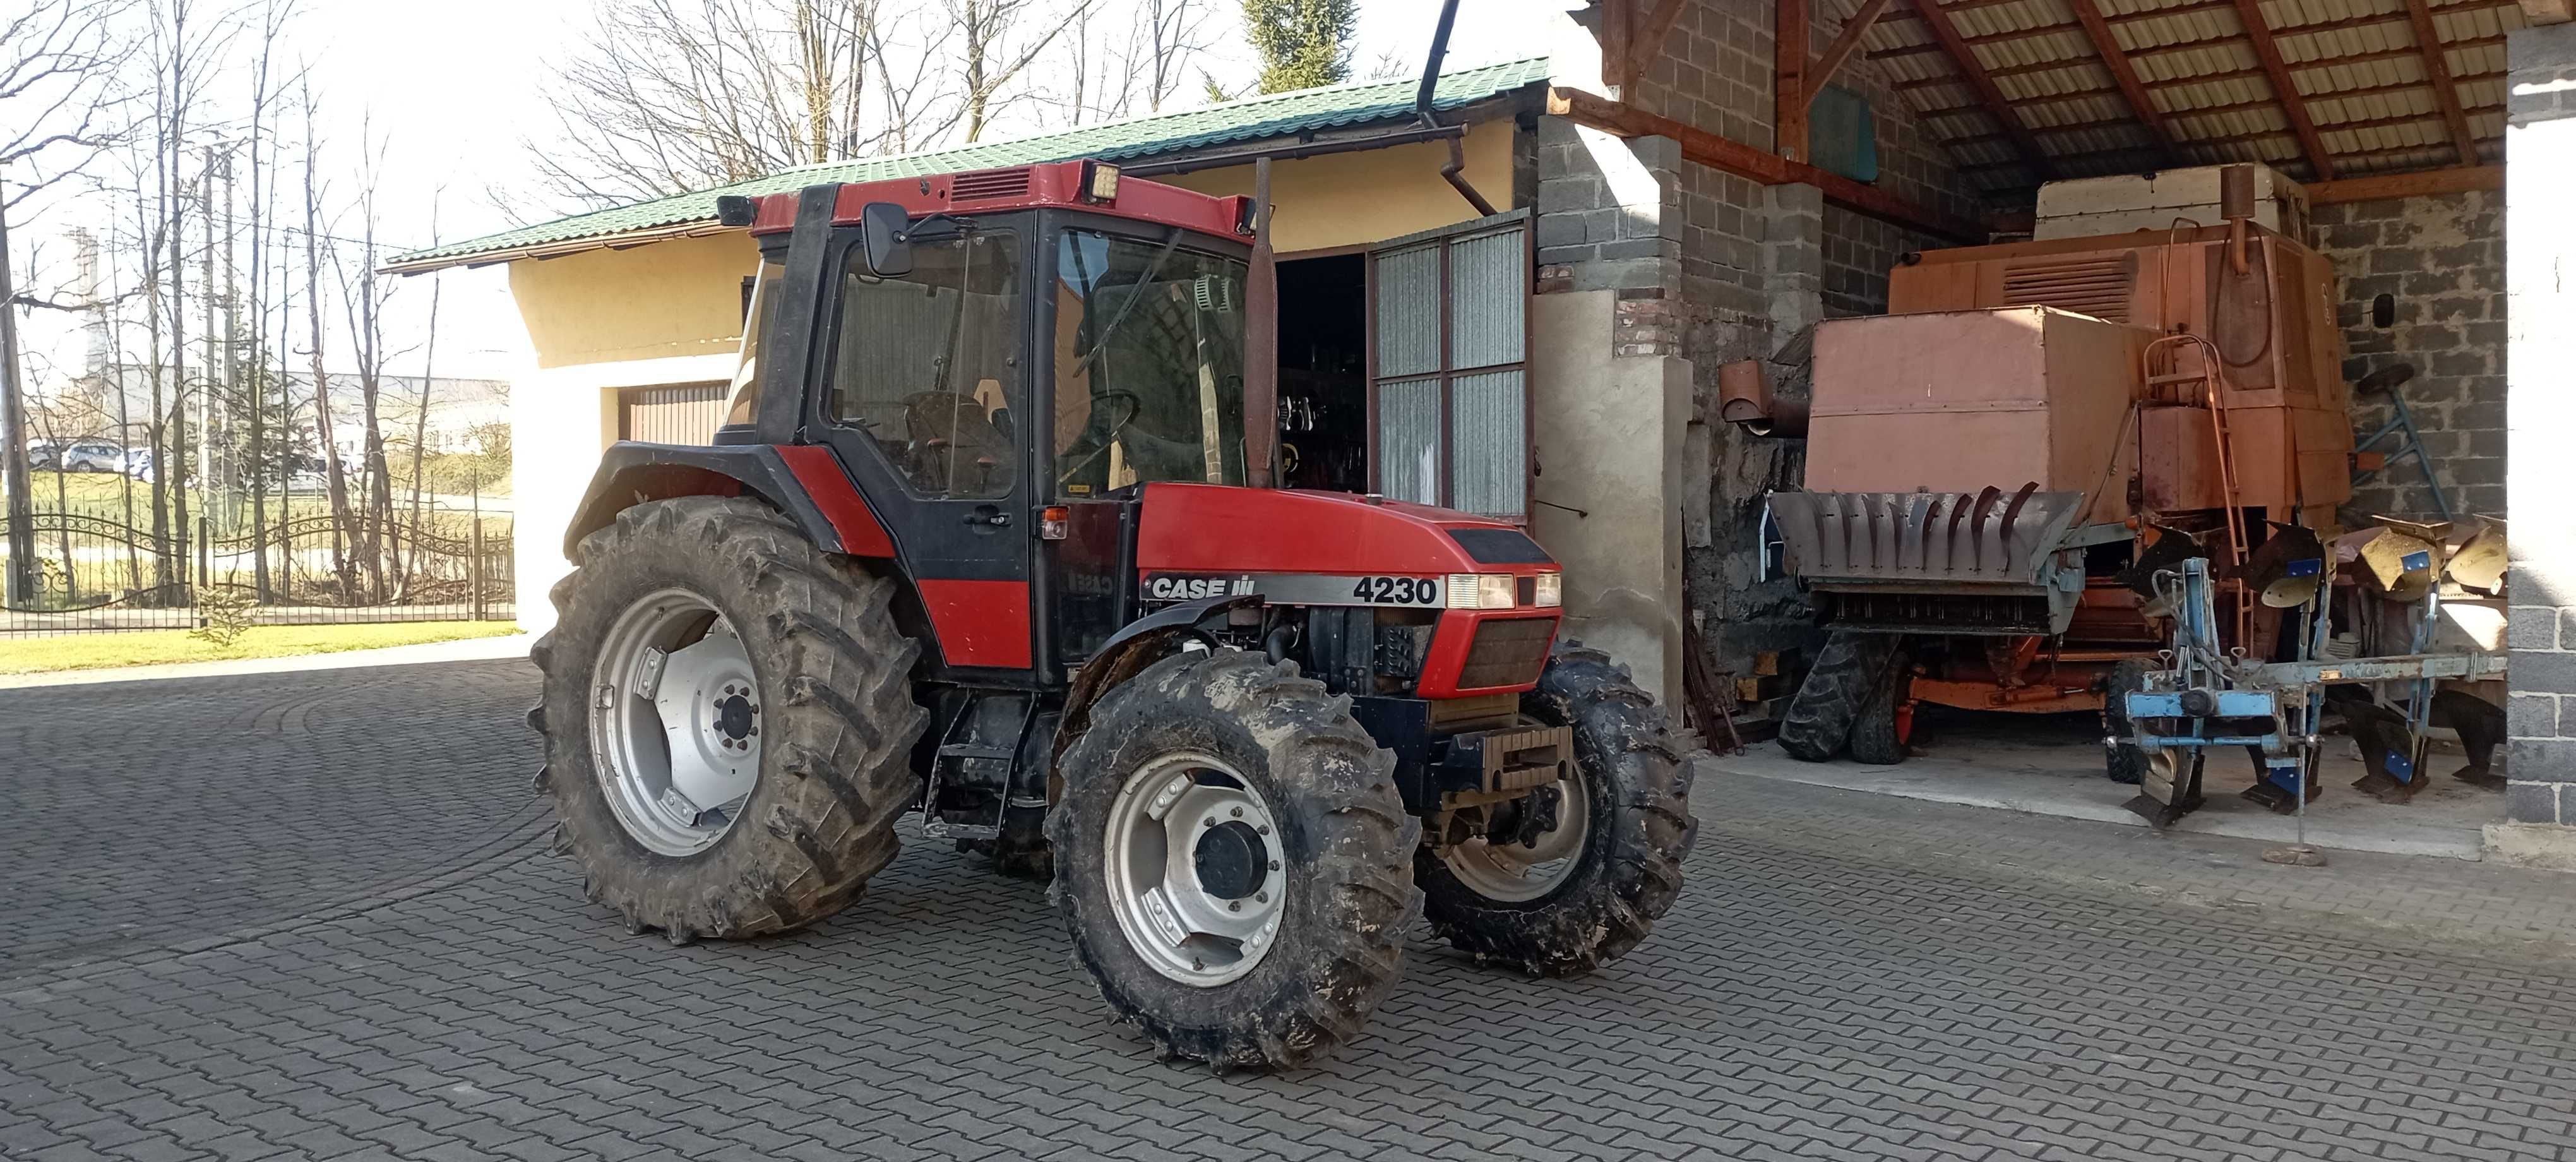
[1134, 406]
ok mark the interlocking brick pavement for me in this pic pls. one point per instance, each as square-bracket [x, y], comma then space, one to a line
[1846, 977]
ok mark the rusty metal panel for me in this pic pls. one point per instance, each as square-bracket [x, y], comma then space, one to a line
[2178, 460]
[1961, 400]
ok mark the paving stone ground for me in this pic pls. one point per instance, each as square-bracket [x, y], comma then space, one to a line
[310, 916]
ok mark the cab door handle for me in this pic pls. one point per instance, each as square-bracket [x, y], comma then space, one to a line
[987, 514]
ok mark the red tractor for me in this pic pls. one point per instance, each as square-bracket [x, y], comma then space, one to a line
[978, 540]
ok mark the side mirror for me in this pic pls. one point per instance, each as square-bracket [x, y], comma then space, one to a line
[885, 239]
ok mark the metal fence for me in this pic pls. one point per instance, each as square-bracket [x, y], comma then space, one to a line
[87, 574]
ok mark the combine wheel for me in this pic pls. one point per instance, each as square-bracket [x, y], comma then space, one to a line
[728, 718]
[1878, 733]
[1603, 863]
[1820, 716]
[1232, 859]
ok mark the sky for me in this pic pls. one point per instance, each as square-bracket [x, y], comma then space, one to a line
[451, 85]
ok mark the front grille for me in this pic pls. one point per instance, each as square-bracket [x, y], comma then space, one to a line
[1507, 652]
[2096, 285]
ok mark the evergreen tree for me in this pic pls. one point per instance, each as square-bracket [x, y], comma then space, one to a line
[1303, 43]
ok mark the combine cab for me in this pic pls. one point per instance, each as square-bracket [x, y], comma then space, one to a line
[978, 542]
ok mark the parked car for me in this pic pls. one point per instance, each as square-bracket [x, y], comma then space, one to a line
[138, 464]
[93, 456]
[42, 455]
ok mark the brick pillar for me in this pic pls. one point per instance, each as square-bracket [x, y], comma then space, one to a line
[2540, 411]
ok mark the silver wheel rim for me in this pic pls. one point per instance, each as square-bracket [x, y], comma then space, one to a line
[675, 715]
[1195, 869]
[1515, 872]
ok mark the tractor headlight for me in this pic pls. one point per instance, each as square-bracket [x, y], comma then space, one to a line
[1551, 590]
[1480, 591]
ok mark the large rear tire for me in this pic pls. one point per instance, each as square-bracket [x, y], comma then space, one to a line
[1820, 715]
[1233, 861]
[704, 643]
[1583, 892]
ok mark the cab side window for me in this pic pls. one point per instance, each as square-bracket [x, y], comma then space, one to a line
[928, 364]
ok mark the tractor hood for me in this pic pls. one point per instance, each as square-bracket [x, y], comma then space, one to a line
[1206, 528]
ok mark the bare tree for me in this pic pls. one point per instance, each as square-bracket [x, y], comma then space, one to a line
[995, 48]
[364, 295]
[57, 59]
[1172, 32]
[343, 520]
[665, 96]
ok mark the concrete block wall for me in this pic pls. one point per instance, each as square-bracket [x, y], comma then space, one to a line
[2540, 297]
[1755, 265]
[2441, 261]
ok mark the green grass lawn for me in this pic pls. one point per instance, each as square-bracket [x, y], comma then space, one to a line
[152, 647]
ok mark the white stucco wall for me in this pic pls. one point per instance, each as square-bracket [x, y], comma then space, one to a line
[561, 418]
[1610, 430]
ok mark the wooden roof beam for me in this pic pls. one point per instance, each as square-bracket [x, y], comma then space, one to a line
[2406, 185]
[1789, 79]
[1964, 59]
[1840, 50]
[2277, 71]
[2116, 59]
[1743, 160]
[1633, 37]
[2446, 92]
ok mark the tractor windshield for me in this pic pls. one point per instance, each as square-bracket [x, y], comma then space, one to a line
[1148, 364]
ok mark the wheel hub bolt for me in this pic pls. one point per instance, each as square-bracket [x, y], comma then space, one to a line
[1274, 865]
[1261, 897]
[1237, 812]
[1265, 830]
[1234, 905]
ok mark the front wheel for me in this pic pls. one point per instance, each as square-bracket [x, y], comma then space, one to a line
[1590, 862]
[1232, 859]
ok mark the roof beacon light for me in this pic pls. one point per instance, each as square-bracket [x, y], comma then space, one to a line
[735, 210]
[1099, 182]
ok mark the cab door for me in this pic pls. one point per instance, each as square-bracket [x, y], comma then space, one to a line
[925, 383]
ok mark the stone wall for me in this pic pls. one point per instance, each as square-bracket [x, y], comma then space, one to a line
[2440, 260]
[2540, 292]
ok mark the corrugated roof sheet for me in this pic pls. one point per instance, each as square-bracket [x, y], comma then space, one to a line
[1251, 119]
[2355, 65]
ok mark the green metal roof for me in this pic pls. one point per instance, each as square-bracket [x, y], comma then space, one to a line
[1251, 119]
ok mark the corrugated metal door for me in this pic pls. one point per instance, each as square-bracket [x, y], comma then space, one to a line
[1449, 366]
[687, 413]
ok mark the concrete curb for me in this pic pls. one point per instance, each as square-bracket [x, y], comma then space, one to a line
[461, 650]
[2097, 801]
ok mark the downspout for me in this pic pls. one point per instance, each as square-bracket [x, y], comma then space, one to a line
[1454, 172]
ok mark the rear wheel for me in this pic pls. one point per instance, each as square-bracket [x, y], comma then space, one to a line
[1233, 861]
[1820, 716]
[728, 719]
[1576, 874]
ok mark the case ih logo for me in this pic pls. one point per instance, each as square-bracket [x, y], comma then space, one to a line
[1168, 588]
